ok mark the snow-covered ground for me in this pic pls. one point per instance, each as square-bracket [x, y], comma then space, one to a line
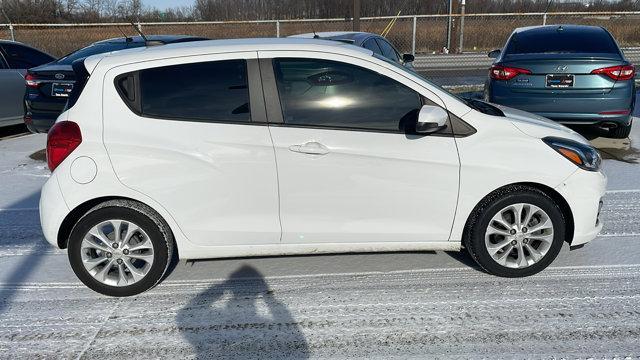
[397, 305]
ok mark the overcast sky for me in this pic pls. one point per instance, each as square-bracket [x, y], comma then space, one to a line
[163, 4]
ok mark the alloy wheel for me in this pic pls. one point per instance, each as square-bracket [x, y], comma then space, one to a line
[519, 235]
[117, 252]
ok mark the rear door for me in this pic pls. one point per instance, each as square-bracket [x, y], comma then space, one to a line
[192, 135]
[11, 93]
[347, 169]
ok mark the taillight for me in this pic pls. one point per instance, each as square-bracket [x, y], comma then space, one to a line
[620, 72]
[62, 139]
[499, 72]
[31, 81]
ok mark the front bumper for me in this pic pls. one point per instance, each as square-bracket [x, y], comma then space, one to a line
[583, 191]
[53, 209]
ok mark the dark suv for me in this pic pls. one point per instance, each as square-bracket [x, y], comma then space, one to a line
[49, 85]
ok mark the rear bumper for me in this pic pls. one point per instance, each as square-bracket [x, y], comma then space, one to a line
[584, 191]
[41, 114]
[586, 118]
[53, 209]
[569, 107]
[40, 123]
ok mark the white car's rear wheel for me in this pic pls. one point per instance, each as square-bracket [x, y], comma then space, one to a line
[515, 231]
[120, 248]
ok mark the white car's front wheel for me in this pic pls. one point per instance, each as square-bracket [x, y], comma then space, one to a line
[515, 231]
[120, 248]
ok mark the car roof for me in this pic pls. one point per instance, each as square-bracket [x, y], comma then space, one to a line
[355, 36]
[221, 46]
[585, 29]
[161, 38]
[19, 43]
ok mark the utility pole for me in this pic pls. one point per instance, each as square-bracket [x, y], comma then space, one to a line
[461, 45]
[452, 25]
[356, 15]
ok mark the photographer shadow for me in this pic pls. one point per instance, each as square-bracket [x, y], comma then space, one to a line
[241, 319]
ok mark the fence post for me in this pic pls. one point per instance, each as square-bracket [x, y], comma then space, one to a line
[461, 46]
[544, 19]
[13, 36]
[277, 28]
[413, 39]
[450, 24]
[139, 25]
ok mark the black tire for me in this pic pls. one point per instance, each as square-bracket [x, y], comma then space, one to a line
[621, 132]
[148, 220]
[477, 225]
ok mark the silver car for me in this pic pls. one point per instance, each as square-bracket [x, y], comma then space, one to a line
[15, 59]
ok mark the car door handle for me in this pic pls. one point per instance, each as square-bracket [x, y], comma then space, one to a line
[311, 147]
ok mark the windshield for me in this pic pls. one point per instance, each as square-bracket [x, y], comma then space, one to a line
[94, 49]
[475, 104]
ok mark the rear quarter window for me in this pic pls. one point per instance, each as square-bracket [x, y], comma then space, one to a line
[207, 92]
[553, 40]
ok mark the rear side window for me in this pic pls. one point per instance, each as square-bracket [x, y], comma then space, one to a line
[322, 93]
[372, 45]
[552, 40]
[23, 57]
[388, 51]
[209, 91]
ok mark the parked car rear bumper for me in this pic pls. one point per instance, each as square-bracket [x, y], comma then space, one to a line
[40, 122]
[586, 118]
[580, 107]
[42, 112]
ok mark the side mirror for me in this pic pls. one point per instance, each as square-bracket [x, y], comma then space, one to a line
[431, 119]
[408, 58]
[494, 53]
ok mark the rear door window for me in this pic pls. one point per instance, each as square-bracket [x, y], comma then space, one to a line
[552, 40]
[23, 57]
[330, 94]
[209, 91]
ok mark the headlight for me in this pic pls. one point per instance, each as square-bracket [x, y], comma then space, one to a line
[584, 156]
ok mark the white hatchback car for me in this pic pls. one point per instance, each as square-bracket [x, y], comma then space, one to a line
[297, 146]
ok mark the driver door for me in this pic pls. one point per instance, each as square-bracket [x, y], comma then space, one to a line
[348, 171]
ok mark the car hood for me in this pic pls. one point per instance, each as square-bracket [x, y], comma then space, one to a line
[539, 126]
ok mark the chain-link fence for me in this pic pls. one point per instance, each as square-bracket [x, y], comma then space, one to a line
[423, 35]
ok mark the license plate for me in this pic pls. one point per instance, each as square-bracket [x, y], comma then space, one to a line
[61, 89]
[559, 81]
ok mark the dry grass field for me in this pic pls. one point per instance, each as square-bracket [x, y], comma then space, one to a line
[481, 33]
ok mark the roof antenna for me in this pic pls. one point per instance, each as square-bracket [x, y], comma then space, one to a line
[147, 42]
[127, 38]
[139, 32]
[315, 36]
[546, 10]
